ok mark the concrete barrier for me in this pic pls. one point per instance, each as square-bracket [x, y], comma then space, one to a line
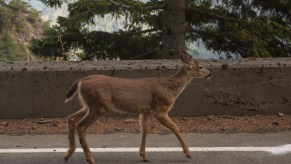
[237, 87]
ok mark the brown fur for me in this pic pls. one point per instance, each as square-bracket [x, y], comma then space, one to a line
[146, 97]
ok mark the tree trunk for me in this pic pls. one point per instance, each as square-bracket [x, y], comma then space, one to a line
[173, 28]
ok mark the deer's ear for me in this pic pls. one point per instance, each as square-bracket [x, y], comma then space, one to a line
[185, 57]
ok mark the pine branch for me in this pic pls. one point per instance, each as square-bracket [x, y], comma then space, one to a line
[120, 4]
[136, 8]
[213, 15]
[238, 48]
[138, 32]
[213, 34]
[140, 56]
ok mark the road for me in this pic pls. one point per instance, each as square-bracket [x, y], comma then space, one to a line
[123, 148]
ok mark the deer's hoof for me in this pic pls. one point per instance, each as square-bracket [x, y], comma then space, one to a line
[69, 154]
[143, 156]
[188, 156]
[66, 159]
[90, 161]
[145, 160]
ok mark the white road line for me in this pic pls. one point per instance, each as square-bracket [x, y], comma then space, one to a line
[274, 150]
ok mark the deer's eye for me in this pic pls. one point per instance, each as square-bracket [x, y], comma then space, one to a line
[200, 67]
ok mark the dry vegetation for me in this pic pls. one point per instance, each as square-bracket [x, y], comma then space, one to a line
[107, 125]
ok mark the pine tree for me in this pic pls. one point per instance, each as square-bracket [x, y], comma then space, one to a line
[246, 28]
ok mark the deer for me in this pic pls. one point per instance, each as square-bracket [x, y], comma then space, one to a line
[147, 97]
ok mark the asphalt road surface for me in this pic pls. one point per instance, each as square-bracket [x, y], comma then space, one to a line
[123, 148]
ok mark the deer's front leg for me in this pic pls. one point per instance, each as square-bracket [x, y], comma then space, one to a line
[143, 121]
[164, 119]
[72, 120]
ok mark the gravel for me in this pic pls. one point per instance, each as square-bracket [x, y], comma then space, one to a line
[107, 125]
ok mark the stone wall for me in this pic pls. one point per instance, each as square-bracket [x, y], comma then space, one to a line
[237, 87]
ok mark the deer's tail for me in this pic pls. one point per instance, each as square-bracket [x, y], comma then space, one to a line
[72, 91]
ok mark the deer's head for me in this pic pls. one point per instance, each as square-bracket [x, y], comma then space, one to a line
[193, 68]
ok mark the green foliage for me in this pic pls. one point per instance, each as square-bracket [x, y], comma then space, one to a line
[18, 18]
[95, 44]
[100, 44]
[46, 47]
[34, 17]
[257, 28]
[19, 6]
[246, 28]
[11, 50]
[7, 16]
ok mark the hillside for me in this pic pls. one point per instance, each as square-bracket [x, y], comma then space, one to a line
[19, 24]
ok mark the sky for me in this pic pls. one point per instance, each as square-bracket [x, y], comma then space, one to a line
[35, 4]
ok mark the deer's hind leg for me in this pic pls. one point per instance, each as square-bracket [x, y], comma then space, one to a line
[72, 120]
[143, 121]
[93, 114]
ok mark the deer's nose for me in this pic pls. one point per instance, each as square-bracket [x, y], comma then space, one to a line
[209, 75]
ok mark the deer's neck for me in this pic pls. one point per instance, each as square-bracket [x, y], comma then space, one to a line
[179, 81]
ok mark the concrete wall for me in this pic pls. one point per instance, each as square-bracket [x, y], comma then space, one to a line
[237, 87]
